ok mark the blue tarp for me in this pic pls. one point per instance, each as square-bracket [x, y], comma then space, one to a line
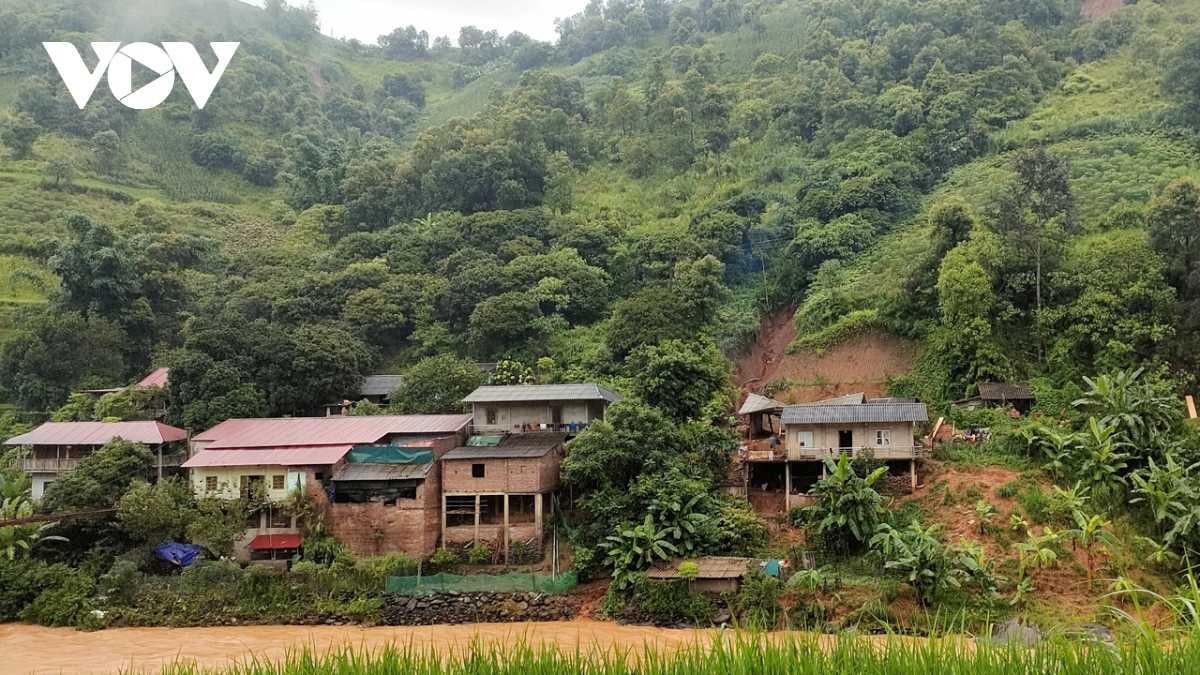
[180, 554]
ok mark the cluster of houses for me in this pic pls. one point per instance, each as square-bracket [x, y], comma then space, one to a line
[413, 483]
[384, 484]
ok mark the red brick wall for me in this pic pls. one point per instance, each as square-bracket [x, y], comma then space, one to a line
[412, 526]
[512, 476]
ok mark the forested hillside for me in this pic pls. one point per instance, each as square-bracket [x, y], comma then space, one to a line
[653, 182]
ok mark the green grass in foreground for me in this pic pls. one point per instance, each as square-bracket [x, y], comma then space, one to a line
[802, 654]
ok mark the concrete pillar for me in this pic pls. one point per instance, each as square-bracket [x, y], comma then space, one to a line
[506, 537]
[477, 499]
[445, 517]
[912, 469]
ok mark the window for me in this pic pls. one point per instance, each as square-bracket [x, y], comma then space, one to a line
[492, 416]
[279, 520]
[277, 482]
[883, 437]
[210, 483]
[477, 471]
[804, 438]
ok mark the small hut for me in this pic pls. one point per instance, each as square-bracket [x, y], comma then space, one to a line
[762, 415]
[716, 574]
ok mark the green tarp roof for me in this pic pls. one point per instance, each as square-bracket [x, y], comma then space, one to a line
[389, 454]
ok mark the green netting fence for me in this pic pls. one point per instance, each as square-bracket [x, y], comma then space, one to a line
[513, 582]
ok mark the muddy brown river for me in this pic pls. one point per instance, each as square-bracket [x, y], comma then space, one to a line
[32, 649]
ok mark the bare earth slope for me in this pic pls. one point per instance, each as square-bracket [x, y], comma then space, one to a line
[864, 363]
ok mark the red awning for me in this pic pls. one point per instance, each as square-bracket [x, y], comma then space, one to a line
[269, 542]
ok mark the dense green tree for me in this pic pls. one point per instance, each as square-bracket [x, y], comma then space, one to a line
[19, 134]
[505, 324]
[1037, 214]
[437, 385]
[682, 380]
[51, 355]
[98, 269]
[106, 145]
[152, 514]
[99, 480]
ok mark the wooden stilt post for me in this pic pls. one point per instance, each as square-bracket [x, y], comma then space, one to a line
[506, 537]
[912, 469]
[787, 486]
[477, 500]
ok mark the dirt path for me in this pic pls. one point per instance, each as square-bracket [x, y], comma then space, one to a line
[32, 649]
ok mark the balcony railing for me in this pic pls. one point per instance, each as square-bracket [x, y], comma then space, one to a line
[55, 465]
[530, 428]
[38, 465]
[796, 453]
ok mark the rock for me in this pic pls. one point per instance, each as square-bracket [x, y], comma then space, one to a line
[1092, 631]
[830, 628]
[622, 622]
[1015, 631]
[722, 617]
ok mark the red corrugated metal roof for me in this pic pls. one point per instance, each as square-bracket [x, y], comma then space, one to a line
[298, 431]
[156, 379]
[98, 433]
[318, 455]
[268, 542]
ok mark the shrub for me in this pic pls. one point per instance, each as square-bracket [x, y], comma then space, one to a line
[66, 601]
[758, 600]
[209, 575]
[1009, 490]
[481, 554]
[1036, 503]
[673, 599]
[260, 585]
[121, 583]
[443, 559]
[372, 573]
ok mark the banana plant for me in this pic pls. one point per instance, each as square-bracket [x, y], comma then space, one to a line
[17, 539]
[984, 512]
[682, 523]
[634, 548]
[1092, 530]
[1103, 463]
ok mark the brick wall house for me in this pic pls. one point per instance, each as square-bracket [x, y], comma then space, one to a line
[399, 507]
[265, 459]
[500, 494]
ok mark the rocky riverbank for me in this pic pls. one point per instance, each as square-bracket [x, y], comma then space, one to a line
[462, 608]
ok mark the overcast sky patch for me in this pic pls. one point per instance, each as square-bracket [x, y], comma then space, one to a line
[368, 19]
